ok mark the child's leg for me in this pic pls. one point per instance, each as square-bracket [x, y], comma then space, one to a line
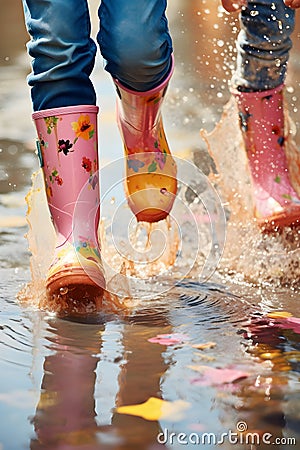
[135, 41]
[66, 121]
[263, 45]
[263, 50]
[63, 53]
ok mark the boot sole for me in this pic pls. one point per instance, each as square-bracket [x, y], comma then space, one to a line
[76, 290]
[290, 217]
[151, 216]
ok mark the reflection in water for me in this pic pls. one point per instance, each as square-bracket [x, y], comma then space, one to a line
[66, 414]
[271, 393]
[90, 369]
[140, 357]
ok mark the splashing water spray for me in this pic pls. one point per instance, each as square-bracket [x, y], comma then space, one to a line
[256, 257]
[141, 260]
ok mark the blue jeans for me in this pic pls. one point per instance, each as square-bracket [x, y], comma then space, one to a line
[133, 37]
[263, 45]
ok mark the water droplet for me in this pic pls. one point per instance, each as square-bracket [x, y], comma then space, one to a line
[63, 290]
[12, 149]
[164, 191]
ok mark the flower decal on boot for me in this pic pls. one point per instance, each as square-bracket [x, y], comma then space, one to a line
[91, 168]
[87, 164]
[160, 155]
[88, 249]
[160, 158]
[51, 123]
[83, 128]
[135, 164]
[64, 146]
[55, 178]
[152, 167]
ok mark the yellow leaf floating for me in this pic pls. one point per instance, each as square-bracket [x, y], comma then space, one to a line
[204, 346]
[156, 408]
[279, 314]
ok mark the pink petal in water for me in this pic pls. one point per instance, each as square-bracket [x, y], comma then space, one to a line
[169, 339]
[215, 376]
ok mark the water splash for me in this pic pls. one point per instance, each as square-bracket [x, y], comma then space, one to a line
[41, 243]
[41, 237]
[258, 257]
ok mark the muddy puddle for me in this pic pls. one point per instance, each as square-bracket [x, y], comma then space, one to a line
[205, 355]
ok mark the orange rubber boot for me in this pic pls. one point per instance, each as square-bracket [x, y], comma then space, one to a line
[151, 183]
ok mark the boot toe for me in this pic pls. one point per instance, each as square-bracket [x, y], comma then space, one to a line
[74, 292]
[288, 217]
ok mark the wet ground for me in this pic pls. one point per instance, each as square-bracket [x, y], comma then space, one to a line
[209, 362]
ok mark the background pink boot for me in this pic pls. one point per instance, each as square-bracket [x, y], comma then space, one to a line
[68, 151]
[262, 123]
[151, 183]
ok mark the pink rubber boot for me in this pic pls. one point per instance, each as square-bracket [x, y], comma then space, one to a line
[262, 124]
[68, 151]
[151, 183]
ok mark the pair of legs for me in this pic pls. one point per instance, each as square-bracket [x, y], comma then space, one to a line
[136, 45]
[133, 38]
[263, 47]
